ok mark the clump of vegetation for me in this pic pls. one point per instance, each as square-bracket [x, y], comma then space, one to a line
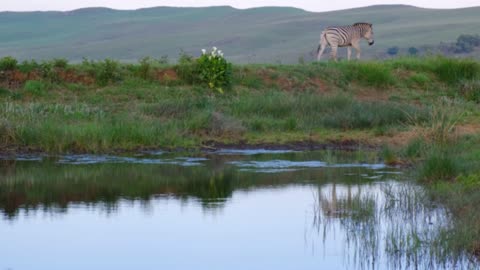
[28, 66]
[8, 63]
[7, 133]
[454, 71]
[467, 43]
[470, 90]
[389, 156]
[439, 165]
[35, 88]
[145, 68]
[60, 63]
[214, 70]
[374, 74]
[210, 69]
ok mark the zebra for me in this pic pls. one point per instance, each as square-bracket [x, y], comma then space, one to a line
[345, 36]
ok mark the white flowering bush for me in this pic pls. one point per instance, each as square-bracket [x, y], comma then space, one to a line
[214, 70]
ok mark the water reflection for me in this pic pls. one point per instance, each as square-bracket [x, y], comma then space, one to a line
[209, 179]
[232, 209]
[386, 225]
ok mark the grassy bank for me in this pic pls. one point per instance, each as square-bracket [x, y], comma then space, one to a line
[103, 106]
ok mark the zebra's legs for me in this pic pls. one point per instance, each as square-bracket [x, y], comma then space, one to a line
[349, 53]
[334, 53]
[357, 48]
[320, 52]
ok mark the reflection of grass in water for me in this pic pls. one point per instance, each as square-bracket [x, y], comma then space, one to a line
[357, 214]
[415, 235]
[398, 226]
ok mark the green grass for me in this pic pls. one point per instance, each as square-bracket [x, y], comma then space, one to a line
[101, 106]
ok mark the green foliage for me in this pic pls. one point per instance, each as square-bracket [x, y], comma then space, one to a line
[439, 165]
[416, 148]
[7, 133]
[214, 70]
[35, 88]
[389, 156]
[392, 51]
[48, 72]
[247, 77]
[467, 43]
[470, 90]
[104, 72]
[8, 63]
[186, 68]
[4, 92]
[453, 71]
[374, 74]
[210, 69]
[145, 68]
[420, 79]
[413, 51]
[28, 66]
[108, 72]
[60, 63]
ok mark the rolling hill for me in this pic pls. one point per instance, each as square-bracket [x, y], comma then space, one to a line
[270, 34]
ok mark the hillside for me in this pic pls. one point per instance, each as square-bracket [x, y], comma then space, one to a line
[253, 35]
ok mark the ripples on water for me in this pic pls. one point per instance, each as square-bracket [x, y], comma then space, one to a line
[230, 209]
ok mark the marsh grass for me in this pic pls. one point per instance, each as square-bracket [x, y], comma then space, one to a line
[440, 128]
[439, 165]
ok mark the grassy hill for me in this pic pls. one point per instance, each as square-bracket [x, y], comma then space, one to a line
[253, 35]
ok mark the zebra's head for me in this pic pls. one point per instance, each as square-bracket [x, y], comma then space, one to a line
[366, 31]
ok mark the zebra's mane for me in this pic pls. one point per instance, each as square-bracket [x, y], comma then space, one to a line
[362, 24]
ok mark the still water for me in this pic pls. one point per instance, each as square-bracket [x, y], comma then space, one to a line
[231, 209]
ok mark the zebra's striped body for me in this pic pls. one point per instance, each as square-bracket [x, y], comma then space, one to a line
[345, 36]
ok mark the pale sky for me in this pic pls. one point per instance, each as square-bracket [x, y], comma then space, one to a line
[311, 5]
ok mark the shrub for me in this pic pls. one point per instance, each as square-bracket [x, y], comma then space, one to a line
[392, 51]
[413, 51]
[107, 71]
[8, 63]
[145, 68]
[36, 88]
[439, 165]
[29, 66]
[47, 71]
[186, 68]
[210, 69]
[60, 63]
[214, 70]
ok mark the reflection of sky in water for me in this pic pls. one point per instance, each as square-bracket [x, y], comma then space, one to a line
[272, 166]
[251, 152]
[260, 229]
[96, 159]
[295, 225]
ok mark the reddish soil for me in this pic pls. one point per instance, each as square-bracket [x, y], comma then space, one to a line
[166, 75]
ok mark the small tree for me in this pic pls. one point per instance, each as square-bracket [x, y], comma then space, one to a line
[392, 51]
[467, 43]
[413, 51]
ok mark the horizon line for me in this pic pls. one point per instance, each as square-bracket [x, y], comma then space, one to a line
[229, 6]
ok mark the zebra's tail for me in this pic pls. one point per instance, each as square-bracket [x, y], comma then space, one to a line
[322, 41]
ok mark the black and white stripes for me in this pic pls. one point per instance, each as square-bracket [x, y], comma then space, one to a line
[345, 36]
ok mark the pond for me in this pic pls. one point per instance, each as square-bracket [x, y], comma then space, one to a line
[229, 209]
